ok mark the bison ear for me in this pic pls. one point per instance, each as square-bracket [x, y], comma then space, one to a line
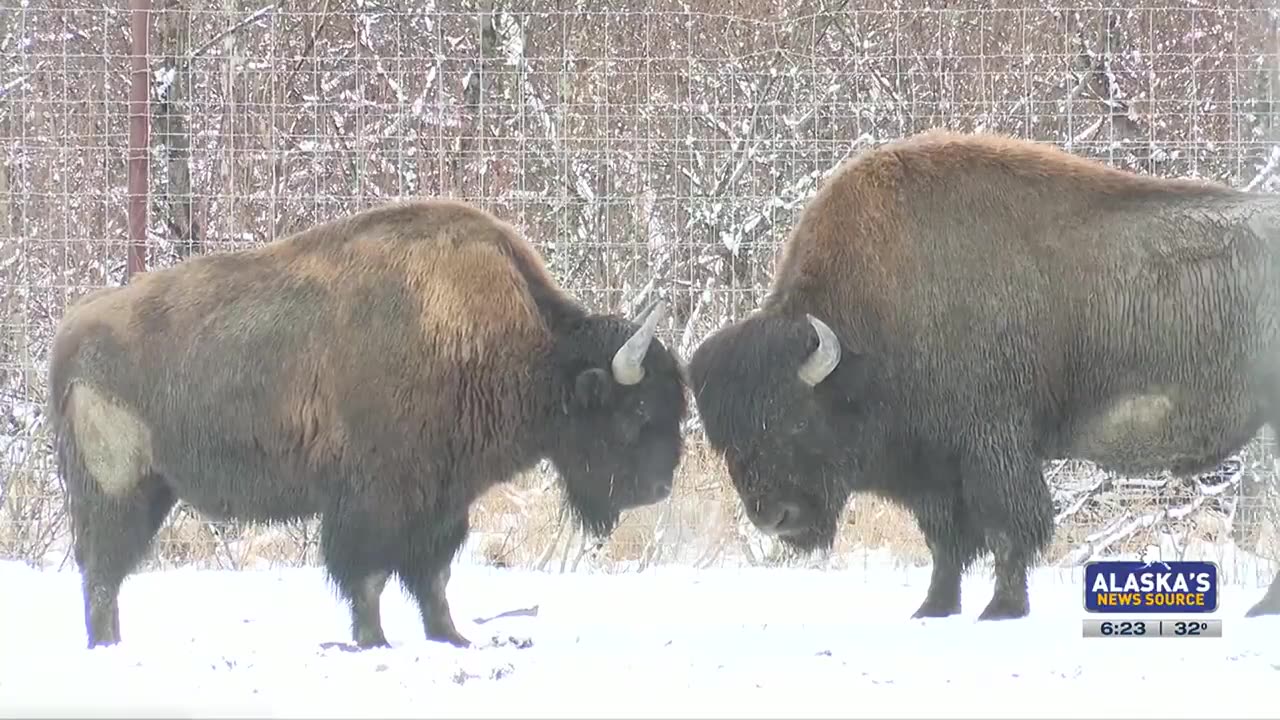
[592, 388]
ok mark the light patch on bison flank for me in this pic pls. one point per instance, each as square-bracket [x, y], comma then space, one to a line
[1132, 427]
[1136, 415]
[114, 443]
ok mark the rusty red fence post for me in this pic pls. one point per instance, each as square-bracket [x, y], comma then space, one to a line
[139, 129]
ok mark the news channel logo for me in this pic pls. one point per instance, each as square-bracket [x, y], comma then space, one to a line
[1127, 587]
[1139, 587]
[1151, 587]
[1156, 587]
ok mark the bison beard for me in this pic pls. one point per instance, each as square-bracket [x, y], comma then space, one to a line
[381, 371]
[951, 311]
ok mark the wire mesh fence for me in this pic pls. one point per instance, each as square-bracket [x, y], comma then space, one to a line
[647, 149]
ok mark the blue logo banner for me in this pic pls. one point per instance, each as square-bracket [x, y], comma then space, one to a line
[1136, 587]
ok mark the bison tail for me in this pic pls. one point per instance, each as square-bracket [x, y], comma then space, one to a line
[77, 483]
[62, 359]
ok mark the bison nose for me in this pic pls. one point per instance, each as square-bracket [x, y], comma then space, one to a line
[781, 518]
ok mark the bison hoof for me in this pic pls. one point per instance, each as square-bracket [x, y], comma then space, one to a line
[452, 637]
[934, 609]
[371, 643]
[1003, 608]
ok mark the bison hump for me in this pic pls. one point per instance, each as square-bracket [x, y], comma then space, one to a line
[472, 298]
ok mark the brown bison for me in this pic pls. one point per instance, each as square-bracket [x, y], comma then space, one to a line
[952, 310]
[382, 371]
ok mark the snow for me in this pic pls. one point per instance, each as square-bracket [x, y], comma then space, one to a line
[669, 641]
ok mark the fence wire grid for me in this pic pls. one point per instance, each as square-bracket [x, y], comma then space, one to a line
[649, 148]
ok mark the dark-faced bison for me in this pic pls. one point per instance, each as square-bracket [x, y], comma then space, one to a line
[952, 310]
[382, 371]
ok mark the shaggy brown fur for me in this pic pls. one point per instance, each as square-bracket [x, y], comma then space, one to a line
[382, 370]
[996, 303]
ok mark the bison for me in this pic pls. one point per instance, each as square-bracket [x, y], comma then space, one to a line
[381, 371]
[951, 310]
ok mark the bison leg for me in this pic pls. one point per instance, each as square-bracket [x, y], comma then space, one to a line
[954, 546]
[425, 572]
[437, 617]
[1011, 501]
[1010, 599]
[111, 536]
[366, 611]
[1270, 603]
[354, 571]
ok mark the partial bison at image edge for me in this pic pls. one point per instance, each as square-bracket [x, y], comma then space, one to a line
[382, 371]
[952, 310]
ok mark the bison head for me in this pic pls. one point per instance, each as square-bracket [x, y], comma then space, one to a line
[623, 403]
[784, 406]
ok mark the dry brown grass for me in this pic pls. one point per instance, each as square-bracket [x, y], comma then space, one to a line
[523, 524]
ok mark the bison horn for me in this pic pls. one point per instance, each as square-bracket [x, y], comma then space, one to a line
[627, 368]
[640, 316]
[824, 359]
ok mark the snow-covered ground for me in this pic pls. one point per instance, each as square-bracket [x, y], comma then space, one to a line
[668, 642]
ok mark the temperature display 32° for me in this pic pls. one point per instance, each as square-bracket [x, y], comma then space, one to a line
[1206, 628]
